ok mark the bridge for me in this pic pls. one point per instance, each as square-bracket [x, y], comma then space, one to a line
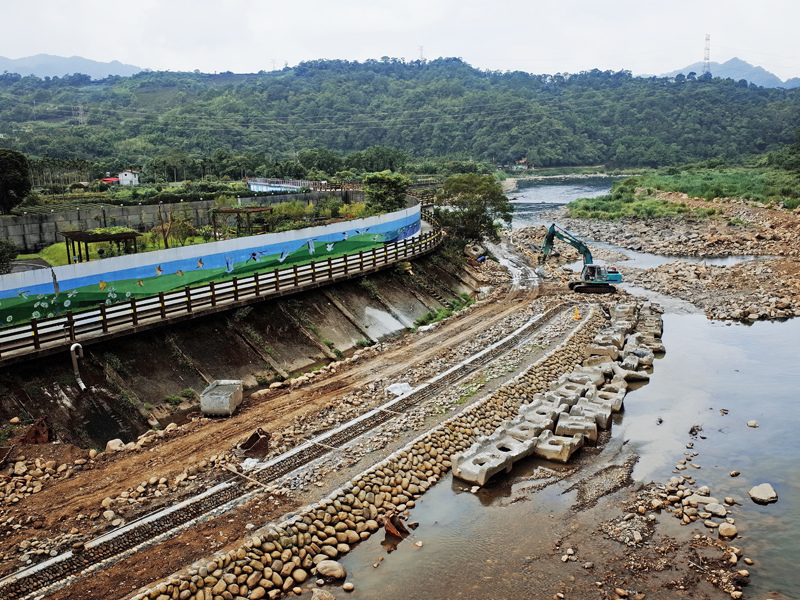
[286, 185]
[41, 337]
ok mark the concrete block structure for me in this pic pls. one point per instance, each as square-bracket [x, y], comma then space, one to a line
[222, 397]
[572, 423]
[556, 447]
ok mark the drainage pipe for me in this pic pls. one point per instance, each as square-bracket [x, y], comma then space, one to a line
[76, 350]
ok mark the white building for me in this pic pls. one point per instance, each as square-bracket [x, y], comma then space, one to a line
[129, 178]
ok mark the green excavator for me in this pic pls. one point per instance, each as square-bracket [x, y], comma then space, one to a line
[595, 279]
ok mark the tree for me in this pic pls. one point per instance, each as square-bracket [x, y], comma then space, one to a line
[386, 190]
[15, 179]
[473, 204]
[8, 252]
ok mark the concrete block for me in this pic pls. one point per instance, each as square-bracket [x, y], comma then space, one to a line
[614, 400]
[622, 309]
[597, 350]
[222, 397]
[562, 396]
[616, 384]
[630, 362]
[490, 455]
[557, 448]
[523, 430]
[588, 375]
[569, 425]
[610, 337]
[541, 413]
[643, 353]
[630, 375]
[597, 361]
[599, 411]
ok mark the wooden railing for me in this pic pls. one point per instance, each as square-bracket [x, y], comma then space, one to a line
[47, 335]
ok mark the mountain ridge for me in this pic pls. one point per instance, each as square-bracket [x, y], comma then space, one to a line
[50, 65]
[738, 69]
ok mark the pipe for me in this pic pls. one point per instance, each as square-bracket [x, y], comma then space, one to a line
[75, 356]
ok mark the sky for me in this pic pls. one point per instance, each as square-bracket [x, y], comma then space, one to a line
[537, 36]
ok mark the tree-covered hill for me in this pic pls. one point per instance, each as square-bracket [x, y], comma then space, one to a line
[440, 108]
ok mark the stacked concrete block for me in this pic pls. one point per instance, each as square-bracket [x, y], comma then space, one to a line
[613, 399]
[490, 455]
[574, 422]
[556, 447]
[599, 411]
[542, 411]
[523, 430]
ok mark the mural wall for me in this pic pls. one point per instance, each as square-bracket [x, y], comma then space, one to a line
[48, 293]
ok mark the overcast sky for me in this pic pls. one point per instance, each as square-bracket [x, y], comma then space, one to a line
[537, 36]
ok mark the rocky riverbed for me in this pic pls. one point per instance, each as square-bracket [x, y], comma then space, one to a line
[766, 288]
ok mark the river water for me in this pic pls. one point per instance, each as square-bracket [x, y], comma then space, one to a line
[714, 375]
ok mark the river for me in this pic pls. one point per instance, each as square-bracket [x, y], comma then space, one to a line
[714, 375]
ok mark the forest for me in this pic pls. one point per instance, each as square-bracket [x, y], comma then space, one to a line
[324, 117]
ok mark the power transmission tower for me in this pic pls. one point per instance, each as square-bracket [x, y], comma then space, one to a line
[707, 56]
[421, 53]
[274, 65]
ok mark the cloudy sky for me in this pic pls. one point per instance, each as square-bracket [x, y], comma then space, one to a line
[538, 36]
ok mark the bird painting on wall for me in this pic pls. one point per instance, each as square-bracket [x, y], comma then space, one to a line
[284, 255]
[103, 285]
[179, 273]
[159, 270]
[229, 264]
[329, 247]
[199, 263]
[310, 244]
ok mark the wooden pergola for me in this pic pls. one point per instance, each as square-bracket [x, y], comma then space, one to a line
[75, 239]
[246, 211]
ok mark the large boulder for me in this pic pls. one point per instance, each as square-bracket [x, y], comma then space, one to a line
[331, 569]
[763, 494]
[116, 445]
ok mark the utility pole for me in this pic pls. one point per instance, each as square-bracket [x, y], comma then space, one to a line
[707, 56]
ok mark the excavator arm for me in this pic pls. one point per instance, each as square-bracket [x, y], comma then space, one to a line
[555, 232]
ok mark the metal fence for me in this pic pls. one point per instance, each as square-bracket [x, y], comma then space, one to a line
[38, 336]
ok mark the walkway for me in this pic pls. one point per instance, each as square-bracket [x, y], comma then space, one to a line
[48, 336]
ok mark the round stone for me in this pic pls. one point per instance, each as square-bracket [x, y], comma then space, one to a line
[728, 530]
[331, 569]
[348, 587]
[763, 494]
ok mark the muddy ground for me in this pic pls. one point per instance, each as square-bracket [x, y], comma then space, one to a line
[606, 560]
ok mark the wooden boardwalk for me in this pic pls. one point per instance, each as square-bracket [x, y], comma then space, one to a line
[48, 336]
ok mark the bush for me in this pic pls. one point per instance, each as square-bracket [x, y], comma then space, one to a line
[173, 400]
[8, 252]
[189, 394]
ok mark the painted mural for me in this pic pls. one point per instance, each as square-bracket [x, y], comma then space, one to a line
[44, 294]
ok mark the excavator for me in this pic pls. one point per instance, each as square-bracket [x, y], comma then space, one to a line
[595, 279]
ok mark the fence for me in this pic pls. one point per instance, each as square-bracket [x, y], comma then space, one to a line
[46, 336]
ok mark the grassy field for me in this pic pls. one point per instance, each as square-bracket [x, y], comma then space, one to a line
[759, 185]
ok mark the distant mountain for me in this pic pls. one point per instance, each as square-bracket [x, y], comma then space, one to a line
[47, 65]
[737, 69]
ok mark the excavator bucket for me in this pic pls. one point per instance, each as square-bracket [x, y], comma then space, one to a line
[257, 444]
